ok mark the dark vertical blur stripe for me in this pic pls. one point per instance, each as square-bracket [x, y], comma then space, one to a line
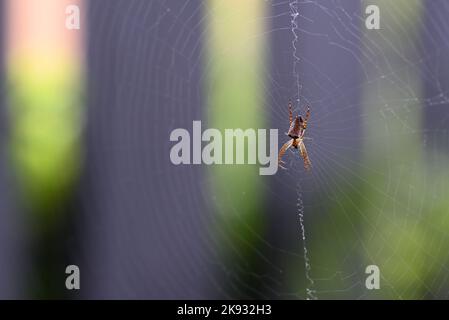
[10, 268]
[143, 218]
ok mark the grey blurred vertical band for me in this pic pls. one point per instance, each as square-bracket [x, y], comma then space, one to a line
[10, 248]
[143, 218]
[435, 50]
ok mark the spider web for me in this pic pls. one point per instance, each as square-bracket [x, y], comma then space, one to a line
[374, 195]
[378, 145]
[370, 198]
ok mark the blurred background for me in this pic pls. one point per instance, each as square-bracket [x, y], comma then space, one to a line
[86, 178]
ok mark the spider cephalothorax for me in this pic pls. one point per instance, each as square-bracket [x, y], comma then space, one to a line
[296, 133]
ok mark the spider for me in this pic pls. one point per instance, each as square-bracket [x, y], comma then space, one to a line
[296, 133]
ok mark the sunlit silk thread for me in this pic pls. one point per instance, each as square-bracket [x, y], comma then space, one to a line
[310, 293]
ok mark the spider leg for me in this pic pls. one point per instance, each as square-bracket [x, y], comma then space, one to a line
[284, 148]
[305, 156]
[290, 112]
[304, 123]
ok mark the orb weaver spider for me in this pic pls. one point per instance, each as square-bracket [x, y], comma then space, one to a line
[296, 133]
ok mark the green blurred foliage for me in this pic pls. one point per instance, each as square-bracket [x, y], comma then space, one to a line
[234, 100]
[45, 112]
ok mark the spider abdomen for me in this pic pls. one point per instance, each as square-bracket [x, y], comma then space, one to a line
[295, 129]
